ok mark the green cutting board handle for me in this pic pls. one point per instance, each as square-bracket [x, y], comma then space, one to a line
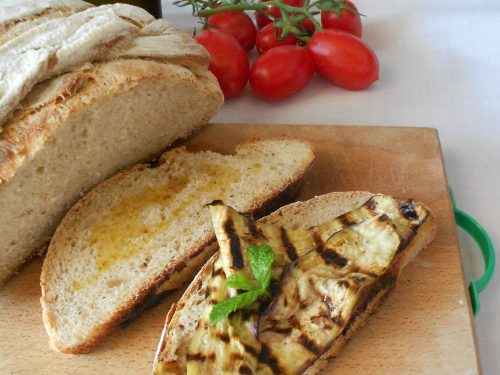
[477, 232]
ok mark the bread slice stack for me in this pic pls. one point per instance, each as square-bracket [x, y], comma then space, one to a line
[85, 92]
[336, 257]
[148, 230]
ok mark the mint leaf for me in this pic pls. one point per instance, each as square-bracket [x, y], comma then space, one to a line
[222, 310]
[261, 260]
[240, 281]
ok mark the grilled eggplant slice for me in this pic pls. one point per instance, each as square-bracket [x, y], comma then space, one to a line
[319, 291]
[321, 273]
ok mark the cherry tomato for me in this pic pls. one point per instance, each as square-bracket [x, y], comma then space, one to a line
[266, 38]
[238, 24]
[309, 25]
[281, 72]
[262, 20]
[343, 59]
[228, 60]
[346, 21]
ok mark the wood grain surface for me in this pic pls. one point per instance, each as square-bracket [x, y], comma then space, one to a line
[424, 326]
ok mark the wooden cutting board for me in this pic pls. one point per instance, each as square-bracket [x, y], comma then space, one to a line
[424, 326]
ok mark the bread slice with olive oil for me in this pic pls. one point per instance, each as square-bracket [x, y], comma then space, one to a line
[148, 230]
[336, 257]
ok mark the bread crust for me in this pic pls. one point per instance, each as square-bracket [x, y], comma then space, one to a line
[181, 271]
[15, 14]
[426, 234]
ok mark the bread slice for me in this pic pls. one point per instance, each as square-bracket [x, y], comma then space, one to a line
[94, 106]
[183, 317]
[148, 230]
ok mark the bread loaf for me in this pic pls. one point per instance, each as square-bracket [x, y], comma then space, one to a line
[84, 92]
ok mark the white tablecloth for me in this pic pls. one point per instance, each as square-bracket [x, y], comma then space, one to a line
[439, 67]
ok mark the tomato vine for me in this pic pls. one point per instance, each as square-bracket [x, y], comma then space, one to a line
[290, 21]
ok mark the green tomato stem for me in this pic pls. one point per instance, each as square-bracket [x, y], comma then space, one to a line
[227, 8]
[290, 21]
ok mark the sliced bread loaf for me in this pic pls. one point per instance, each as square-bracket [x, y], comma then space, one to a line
[148, 230]
[117, 89]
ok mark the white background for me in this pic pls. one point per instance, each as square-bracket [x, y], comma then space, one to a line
[439, 67]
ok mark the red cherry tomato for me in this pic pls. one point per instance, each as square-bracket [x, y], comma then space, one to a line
[281, 72]
[238, 24]
[346, 21]
[343, 59]
[309, 25]
[228, 60]
[262, 20]
[266, 38]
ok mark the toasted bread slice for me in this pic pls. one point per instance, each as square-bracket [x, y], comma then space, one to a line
[148, 230]
[182, 341]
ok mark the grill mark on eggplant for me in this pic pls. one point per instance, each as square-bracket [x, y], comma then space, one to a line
[195, 357]
[216, 202]
[320, 244]
[337, 319]
[358, 279]
[290, 249]
[234, 357]
[217, 272]
[330, 256]
[274, 287]
[234, 245]
[284, 330]
[408, 210]
[413, 232]
[295, 323]
[383, 218]
[371, 205]
[344, 283]
[254, 231]
[245, 370]
[246, 314]
[346, 219]
[309, 344]
[303, 305]
[267, 358]
[251, 350]
[385, 281]
[223, 336]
